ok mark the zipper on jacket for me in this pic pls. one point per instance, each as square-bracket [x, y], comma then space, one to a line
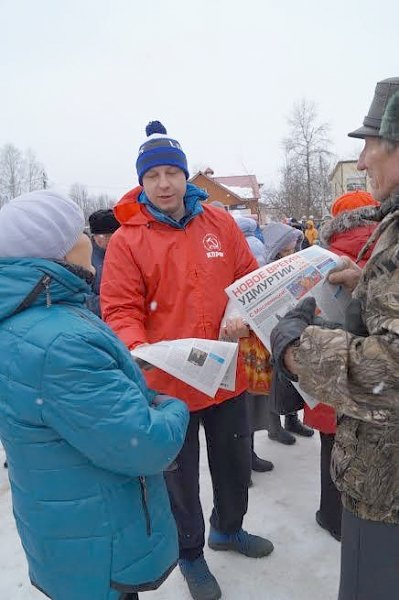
[42, 284]
[142, 480]
[197, 279]
[144, 502]
[46, 283]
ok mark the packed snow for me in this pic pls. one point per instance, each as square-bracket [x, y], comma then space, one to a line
[282, 504]
[246, 193]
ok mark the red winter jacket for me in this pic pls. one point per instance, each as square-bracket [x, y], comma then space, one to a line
[161, 283]
[346, 234]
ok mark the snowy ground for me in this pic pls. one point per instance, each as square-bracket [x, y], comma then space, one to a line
[303, 566]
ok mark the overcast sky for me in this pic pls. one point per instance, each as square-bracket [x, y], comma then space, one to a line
[80, 79]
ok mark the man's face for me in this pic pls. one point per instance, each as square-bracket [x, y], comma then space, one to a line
[382, 167]
[102, 239]
[166, 186]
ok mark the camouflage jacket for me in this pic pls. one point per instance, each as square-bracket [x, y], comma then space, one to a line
[359, 376]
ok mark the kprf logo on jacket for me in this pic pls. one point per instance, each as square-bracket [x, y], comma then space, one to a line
[212, 245]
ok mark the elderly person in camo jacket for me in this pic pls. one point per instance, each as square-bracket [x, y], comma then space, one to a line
[356, 370]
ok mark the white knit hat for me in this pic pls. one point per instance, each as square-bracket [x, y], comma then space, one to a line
[41, 224]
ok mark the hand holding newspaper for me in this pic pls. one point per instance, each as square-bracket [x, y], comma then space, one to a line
[265, 295]
[206, 365]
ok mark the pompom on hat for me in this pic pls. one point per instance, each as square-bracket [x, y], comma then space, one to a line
[158, 150]
[351, 201]
[40, 224]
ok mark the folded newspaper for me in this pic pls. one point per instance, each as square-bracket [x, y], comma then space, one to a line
[265, 295]
[206, 365]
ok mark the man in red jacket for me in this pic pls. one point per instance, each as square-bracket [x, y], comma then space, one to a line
[164, 278]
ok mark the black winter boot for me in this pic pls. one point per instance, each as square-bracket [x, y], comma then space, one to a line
[277, 433]
[259, 464]
[293, 424]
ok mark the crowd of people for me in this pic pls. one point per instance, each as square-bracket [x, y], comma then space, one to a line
[103, 452]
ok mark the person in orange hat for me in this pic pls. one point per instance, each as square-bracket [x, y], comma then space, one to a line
[350, 228]
[351, 201]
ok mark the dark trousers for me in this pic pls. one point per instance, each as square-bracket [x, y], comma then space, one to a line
[369, 559]
[130, 596]
[330, 497]
[228, 440]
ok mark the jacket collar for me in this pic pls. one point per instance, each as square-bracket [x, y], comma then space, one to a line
[38, 282]
[135, 208]
[388, 206]
[344, 222]
[387, 213]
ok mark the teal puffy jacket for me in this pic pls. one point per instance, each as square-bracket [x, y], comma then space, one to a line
[85, 450]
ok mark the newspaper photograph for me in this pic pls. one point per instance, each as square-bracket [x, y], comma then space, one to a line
[206, 365]
[264, 296]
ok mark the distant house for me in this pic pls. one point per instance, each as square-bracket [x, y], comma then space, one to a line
[239, 192]
[245, 186]
[346, 178]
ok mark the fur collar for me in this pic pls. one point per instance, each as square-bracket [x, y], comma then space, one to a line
[346, 221]
[77, 270]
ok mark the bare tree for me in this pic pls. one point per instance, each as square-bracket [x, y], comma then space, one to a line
[285, 200]
[89, 204]
[103, 201]
[79, 193]
[272, 202]
[307, 159]
[11, 172]
[35, 175]
[19, 173]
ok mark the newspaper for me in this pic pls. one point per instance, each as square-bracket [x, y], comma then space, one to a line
[265, 295]
[206, 365]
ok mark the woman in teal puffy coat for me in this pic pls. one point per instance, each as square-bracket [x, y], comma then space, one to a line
[85, 443]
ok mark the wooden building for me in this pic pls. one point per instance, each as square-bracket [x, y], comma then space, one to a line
[240, 192]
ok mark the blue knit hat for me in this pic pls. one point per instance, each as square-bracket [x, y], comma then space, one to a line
[159, 149]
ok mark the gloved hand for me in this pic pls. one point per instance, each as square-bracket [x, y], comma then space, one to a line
[288, 330]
